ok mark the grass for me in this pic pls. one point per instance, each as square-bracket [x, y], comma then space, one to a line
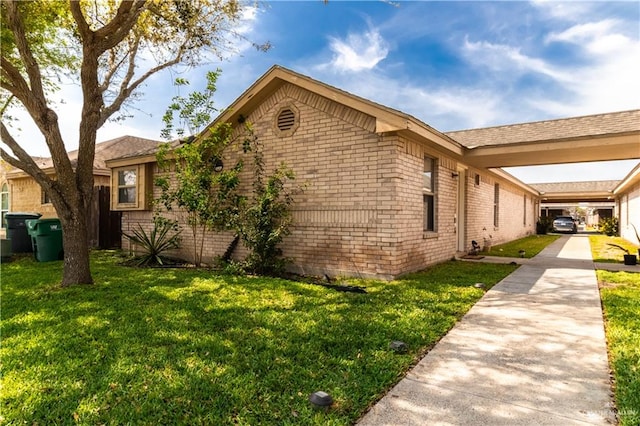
[532, 245]
[166, 346]
[620, 293]
[603, 252]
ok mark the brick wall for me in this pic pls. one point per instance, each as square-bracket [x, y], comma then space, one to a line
[515, 219]
[25, 195]
[361, 211]
[345, 170]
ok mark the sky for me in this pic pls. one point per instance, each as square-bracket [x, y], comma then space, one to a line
[453, 65]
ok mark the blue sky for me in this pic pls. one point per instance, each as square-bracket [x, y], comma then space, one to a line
[454, 65]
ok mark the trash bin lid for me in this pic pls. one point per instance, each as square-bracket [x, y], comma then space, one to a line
[22, 215]
[52, 223]
[43, 226]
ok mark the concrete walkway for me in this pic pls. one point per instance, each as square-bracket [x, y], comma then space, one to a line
[532, 351]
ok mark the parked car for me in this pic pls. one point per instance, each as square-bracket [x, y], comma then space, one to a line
[565, 224]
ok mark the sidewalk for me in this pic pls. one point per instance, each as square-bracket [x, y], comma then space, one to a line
[532, 351]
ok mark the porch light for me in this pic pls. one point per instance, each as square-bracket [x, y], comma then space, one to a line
[218, 165]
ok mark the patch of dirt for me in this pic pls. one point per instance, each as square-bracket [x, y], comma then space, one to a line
[604, 284]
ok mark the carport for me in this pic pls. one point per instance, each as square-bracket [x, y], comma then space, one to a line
[594, 138]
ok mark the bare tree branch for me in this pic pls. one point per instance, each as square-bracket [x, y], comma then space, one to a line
[6, 105]
[125, 92]
[22, 160]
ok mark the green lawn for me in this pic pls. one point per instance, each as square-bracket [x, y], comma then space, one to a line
[620, 293]
[166, 346]
[603, 251]
[532, 245]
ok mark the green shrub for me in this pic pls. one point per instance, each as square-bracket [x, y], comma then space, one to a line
[544, 225]
[266, 217]
[609, 226]
[158, 241]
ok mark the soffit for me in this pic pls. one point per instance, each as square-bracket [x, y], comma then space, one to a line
[600, 137]
[594, 191]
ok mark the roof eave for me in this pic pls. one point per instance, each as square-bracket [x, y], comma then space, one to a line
[603, 148]
[515, 181]
[631, 179]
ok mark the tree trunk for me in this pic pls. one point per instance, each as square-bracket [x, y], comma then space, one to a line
[75, 241]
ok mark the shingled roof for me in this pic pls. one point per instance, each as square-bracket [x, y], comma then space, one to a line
[549, 130]
[113, 148]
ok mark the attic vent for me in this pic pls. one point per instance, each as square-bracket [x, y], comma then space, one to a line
[286, 120]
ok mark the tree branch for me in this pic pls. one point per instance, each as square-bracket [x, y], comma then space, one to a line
[119, 27]
[125, 92]
[83, 26]
[32, 95]
[22, 160]
[31, 65]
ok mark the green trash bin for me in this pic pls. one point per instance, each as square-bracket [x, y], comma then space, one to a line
[46, 238]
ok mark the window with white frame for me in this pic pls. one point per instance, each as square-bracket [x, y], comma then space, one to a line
[429, 189]
[128, 186]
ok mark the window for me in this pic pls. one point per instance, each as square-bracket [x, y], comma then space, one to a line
[45, 197]
[524, 210]
[496, 205]
[127, 186]
[4, 202]
[429, 194]
[132, 187]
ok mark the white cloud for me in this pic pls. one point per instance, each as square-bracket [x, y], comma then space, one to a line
[358, 52]
[608, 81]
[583, 32]
[507, 59]
[563, 10]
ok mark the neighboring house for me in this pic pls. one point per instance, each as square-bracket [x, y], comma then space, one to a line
[24, 194]
[385, 194]
[627, 194]
[562, 198]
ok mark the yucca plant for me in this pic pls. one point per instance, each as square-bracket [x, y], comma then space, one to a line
[164, 236]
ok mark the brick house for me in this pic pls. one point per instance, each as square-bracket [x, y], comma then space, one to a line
[21, 193]
[385, 193]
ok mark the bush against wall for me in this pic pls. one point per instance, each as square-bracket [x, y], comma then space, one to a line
[609, 226]
[544, 225]
[203, 189]
[265, 218]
